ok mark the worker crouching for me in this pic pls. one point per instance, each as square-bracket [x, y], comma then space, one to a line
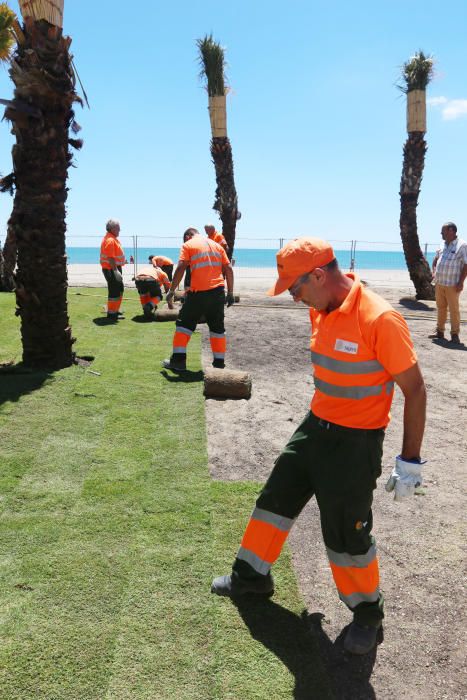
[149, 282]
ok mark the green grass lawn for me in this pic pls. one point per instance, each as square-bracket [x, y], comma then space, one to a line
[111, 531]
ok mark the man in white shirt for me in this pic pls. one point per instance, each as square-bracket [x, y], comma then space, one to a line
[450, 271]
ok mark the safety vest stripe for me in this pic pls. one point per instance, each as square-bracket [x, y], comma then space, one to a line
[113, 298]
[218, 355]
[264, 540]
[181, 329]
[179, 349]
[262, 567]
[360, 561]
[352, 392]
[210, 263]
[206, 254]
[345, 367]
[279, 521]
[350, 579]
[356, 598]
[216, 335]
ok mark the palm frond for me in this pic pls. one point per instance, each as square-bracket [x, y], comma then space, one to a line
[212, 62]
[7, 39]
[416, 72]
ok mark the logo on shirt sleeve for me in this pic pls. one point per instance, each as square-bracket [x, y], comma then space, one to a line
[346, 346]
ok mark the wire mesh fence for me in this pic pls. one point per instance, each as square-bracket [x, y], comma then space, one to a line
[254, 258]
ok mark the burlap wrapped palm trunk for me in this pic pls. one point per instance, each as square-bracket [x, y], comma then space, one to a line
[412, 172]
[44, 81]
[226, 202]
[49, 10]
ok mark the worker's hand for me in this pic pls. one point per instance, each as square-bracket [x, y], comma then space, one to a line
[229, 300]
[169, 298]
[170, 304]
[406, 478]
[118, 276]
[459, 287]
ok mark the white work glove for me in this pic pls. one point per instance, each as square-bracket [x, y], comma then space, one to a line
[406, 478]
[118, 276]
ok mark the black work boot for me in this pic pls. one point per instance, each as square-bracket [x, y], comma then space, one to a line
[148, 310]
[455, 339]
[360, 639]
[231, 586]
[176, 363]
[218, 364]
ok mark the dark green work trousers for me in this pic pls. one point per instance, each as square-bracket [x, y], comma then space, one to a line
[340, 467]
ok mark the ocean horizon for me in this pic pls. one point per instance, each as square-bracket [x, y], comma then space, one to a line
[255, 257]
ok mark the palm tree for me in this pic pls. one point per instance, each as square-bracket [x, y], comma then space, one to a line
[41, 114]
[416, 74]
[7, 40]
[212, 61]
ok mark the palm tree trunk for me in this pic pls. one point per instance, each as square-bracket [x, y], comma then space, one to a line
[412, 173]
[226, 202]
[9, 259]
[41, 115]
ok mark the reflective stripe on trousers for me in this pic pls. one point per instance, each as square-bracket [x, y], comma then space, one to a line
[263, 539]
[218, 345]
[180, 340]
[356, 576]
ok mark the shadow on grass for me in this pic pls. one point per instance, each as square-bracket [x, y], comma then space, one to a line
[186, 377]
[411, 303]
[320, 666]
[17, 381]
[104, 321]
[142, 319]
[449, 346]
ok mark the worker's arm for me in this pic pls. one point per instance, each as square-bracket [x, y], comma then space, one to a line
[177, 278]
[435, 262]
[413, 387]
[460, 284]
[227, 271]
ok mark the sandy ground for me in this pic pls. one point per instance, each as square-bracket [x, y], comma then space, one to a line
[420, 544]
[246, 278]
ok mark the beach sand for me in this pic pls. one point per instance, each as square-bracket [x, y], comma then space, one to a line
[246, 278]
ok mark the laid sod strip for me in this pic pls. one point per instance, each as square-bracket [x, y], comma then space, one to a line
[111, 530]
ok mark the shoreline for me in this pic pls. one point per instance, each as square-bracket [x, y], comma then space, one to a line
[245, 278]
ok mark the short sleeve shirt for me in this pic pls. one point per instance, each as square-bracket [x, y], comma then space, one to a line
[206, 259]
[452, 259]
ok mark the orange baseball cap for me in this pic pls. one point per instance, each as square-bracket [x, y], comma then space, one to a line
[298, 257]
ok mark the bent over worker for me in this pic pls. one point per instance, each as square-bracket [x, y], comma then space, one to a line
[112, 259]
[206, 297]
[360, 346]
[149, 282]
[166, 264]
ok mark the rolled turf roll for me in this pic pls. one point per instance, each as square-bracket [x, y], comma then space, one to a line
[227, 384]
[166, 314]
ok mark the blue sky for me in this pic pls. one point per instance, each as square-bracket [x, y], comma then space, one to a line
[316, 123]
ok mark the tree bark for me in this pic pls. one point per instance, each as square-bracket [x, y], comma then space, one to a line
[412, 173]
[226, 202]
[41, 116]
[9, 258]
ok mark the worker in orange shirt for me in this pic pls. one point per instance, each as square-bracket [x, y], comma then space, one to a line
[149, 282]
[112, 259]
[166, 264]
[206, 297]
[216, 236]
[360, 346]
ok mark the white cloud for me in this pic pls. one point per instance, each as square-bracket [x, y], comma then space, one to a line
[451, 109]
[435, 101]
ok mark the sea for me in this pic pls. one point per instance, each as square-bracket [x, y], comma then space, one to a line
[258, 257]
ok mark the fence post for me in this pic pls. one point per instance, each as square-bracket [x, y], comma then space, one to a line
[353, 245]
[426, 249]
[136, 255]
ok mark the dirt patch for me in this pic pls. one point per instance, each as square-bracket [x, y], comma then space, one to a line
[421, 545]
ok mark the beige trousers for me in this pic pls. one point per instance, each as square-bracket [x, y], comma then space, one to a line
[448, 298]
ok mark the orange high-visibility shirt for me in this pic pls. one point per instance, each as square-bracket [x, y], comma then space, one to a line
[111, 248]
[206, 259]
[218, 238]
[162, 260]
[156, 274]
[356, 350]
